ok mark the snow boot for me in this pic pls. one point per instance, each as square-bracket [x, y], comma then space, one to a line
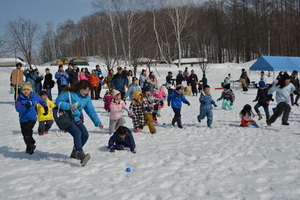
[179, 122]
[84, 158]
[30, 149]
[174, 121]
[259, 116]
[74, 154]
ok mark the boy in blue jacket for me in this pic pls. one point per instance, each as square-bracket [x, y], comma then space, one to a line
[25, 106]
[206, 103]
[175, 98]
[120, 139]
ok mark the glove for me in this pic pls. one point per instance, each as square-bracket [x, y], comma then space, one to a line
[295, 92]
[168, 103]
[28, 104]
[231, 103]
[267, 102]
[148, 109]
[112, 149]
[215, 105]
[46, 110]
[218, 99]
[133, 151]
[254, 100]
[188, 103]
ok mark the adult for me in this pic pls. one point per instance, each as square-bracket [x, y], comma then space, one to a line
[76, 99]
[170, 82]
[227, 78]
[262, 77]
[83, 75]
[144, 81]
[204, 80]
[69, 68]
[125, 72]
[73, 75]
[152, 81]
[283, 90]
[129, 76]
[17, 88]
[243, 80]
[30, 77]
[98, 73]
[132, 88]
[193, 79]
[119, 82]
[295, 82]
[94, 81]
[109, 77]
[48, 83]
[38, 81]
[179, 78]
[62, 78]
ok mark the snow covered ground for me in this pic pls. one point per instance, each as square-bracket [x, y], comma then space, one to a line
[225, 162]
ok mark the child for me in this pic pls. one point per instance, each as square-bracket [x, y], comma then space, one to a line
[45, 118]
[160, 94]
[228, 97]
[120, 139]
[107, 100]
[136, 106]
[116, 119]
[263, 100]
[149, 101]
[247, 116]
[206, 103]
[200, 86]
[176, 97]
[25, 106]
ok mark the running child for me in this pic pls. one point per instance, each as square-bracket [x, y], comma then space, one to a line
[228, 97]
[137, 108]
[262, 99]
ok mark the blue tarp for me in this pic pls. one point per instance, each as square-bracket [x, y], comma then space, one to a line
[276, 63]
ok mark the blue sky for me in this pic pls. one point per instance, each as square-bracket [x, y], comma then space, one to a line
[43, 11]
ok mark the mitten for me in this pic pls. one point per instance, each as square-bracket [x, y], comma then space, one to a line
[218, 99]
[215, 105]
[46, 111]
[28, 104]
[148, 109]
[188, 103]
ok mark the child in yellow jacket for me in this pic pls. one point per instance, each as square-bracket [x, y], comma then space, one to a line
[45, 116]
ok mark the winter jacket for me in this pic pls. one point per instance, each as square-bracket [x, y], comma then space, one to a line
[82, 102]
[137, 107]
[170, 82]
[262, 96]
[116, 108]
[62, 79]
[206, 102]
[246, 119]
[47, 82]
[228, 95]
[94, 80]
[193, 79]
[27, 114]
[282, 94]
[160, 94]
[82, 76]
[131, 90]
[152, 82]
[149, 101]
[41, 111]
[107, 101]
[176, 98]
[204, 80]
[109, 79]
[179, 79]
[73, 77]
[295, 81]
[144, 81]
[127, 141]
[119, 82]
[30, 77]
[98, 73]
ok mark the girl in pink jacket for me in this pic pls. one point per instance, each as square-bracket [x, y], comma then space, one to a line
[160, 94]
[116, 116]
[82, 75]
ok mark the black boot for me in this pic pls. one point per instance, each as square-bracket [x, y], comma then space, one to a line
[84, 158]
[74, 154]
[174, 121]
[179, 122]
[30, 147]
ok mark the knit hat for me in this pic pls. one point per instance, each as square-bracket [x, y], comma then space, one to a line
[119, 68]
[262, 84]
[178, 87]
[134, 78]
[147, 88]
[227, 86]
[115, 92]
[27, 86]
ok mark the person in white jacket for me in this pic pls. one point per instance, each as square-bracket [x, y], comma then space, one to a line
[283, 90]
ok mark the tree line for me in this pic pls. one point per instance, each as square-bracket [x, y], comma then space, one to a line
[218, 30]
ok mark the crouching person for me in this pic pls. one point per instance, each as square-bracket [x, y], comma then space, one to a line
[120, 139]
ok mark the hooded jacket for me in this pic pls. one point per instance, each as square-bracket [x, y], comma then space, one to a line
[176, 98]
[131, 90]
[127, 141]
[41, 111]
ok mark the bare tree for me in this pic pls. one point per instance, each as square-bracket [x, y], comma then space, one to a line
[4, 46]
[23, 34]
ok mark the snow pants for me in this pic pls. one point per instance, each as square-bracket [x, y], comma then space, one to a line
[226, 104]
[27, 130]
[206, 113]
[149, 122]
[79, 134]
[284, 108]
[114, 123]
[44, 126]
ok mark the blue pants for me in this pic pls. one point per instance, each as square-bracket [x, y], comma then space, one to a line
[80, 135]
[266, 108]
[208, 113]
[226, 104]
[49, 94]
[44, 126]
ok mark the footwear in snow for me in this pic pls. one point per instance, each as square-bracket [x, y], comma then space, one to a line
[84, 158]
[30, 149]
[137, 130]
[285, 123]
[74, 154]
[259, 116]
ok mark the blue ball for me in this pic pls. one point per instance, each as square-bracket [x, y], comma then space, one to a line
[128, 169]
[164, 123]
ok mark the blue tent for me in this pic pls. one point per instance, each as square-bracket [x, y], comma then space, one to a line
[276, 63]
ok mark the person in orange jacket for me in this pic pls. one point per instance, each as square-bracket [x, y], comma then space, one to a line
[94, 81]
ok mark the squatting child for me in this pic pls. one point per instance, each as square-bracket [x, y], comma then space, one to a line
[25, 106]
[137, 108]
[228, 97]
[116, 115]
[45, 116]
[247, 116]
[121, 139]
[206, 103]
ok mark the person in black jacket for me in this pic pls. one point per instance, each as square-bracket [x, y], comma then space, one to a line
[120, 139]
[179, 78]
[295, 82]
[73, 75]
[193, 79]
[262, 99]
[48, 83]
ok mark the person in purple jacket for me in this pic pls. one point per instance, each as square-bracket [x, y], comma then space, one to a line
[25, 106]
[120, 139]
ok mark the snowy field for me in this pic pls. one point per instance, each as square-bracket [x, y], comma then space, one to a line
[193, 163]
